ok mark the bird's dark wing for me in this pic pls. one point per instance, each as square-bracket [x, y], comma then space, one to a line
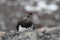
[24, 24]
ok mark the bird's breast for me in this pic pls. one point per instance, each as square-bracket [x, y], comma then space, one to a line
[21, 28]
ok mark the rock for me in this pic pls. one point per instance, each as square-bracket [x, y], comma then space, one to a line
[31, 35]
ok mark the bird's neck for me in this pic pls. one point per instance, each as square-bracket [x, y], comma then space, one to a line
[27, 18]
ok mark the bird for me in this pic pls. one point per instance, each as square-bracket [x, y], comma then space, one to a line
[25, 23]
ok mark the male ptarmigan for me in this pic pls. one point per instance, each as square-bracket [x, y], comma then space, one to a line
[24, 24]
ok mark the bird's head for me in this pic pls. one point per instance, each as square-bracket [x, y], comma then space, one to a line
[29, 14]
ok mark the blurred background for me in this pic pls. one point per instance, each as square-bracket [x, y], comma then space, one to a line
[46, 13]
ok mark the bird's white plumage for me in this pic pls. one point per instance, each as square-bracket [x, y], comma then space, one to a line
[21, 29]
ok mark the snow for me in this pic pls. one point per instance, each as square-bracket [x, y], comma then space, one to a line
[52, 7]
[28, 8]
[42, 4]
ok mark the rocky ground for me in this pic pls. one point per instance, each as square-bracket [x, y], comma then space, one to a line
[37, 34]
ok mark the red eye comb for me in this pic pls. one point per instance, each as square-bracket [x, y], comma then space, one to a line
[30, 13]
